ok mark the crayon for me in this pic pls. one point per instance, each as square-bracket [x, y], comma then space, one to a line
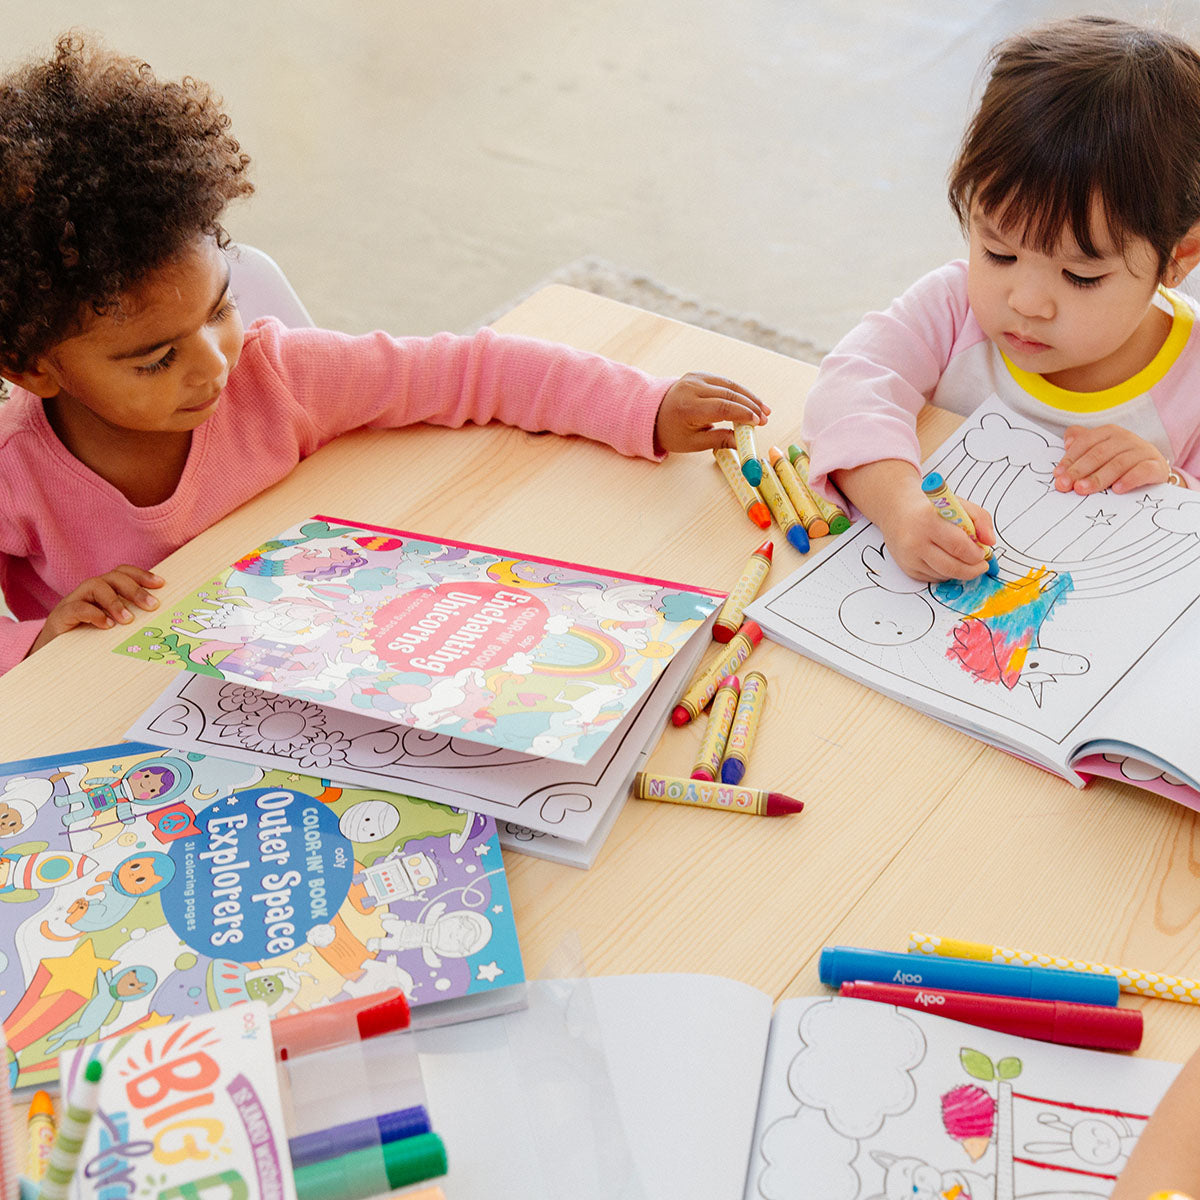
[782, 510]
[743, 435]
[702, 794]
[751, 702]
[949, 507]
[729, 619]
[704, 686]
[838, 521]
[720, 720]
[77, 1115]
[803, 501]
[1130, 979]
[40, 1136]
[747, 497]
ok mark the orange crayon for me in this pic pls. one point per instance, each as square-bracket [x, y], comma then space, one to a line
[703, 794]
[748, 498]
[704, 686]
[41, 1129]
[716, 733]
[751, 703]
[729, 619]
[804, 502]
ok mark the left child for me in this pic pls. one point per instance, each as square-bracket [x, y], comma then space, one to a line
[142, 410]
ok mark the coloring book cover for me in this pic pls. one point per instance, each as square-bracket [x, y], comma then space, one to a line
[140, 885]
[1030, 659]
[865, 1101]
[186, 1109]
[523, 653]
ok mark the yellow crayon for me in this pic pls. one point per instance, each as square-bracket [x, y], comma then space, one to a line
[703, 687]
[782, 510]
[729, 619]
[703, 794]
[743, 435]
[802, 499]
[748, 498]
[751, 702]
[716, 733]
[838, 521]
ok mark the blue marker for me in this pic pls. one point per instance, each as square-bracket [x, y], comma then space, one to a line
[949, 506]
[358, 1135]
[844, 964]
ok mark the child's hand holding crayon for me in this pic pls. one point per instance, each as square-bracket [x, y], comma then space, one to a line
[692, 407]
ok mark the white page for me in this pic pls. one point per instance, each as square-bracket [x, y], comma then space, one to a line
[639, 1087]
[854, 1106]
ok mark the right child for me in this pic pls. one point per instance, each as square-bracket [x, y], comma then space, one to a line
[1078, 185]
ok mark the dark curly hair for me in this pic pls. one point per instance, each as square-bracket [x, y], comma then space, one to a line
[106, 174]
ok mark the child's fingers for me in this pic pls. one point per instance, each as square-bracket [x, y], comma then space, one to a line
[1143, 473]
[131, 583]
[717, 387]
[985, 530]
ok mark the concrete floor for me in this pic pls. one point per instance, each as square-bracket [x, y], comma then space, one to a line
[418, 164]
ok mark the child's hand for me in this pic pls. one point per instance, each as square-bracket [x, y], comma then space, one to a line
[1107, 456]
[100, 601]
[694, 404]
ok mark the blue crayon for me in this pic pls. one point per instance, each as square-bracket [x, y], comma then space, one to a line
[844, 964]
[329, 1143]
[946, 504]
[781, 507]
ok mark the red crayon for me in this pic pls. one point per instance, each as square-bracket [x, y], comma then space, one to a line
[704, 686]
[1061, 1021]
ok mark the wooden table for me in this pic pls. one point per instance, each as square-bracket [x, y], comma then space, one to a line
[908, 825]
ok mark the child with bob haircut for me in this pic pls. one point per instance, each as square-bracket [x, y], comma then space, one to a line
[1078, 187]
[142, 411]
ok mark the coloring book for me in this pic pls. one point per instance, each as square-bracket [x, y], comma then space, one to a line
[190, 1108]
[139, 885]
[507, 650]
[1079, 656]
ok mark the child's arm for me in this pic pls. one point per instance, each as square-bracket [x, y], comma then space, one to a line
[1167, 1155]
[101, 601]
[693, 405]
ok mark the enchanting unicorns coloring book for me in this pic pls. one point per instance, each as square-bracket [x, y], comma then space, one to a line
[523, 653]
[1077, 656]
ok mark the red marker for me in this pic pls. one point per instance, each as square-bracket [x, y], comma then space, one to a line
[338, 1024]
[1061, 1021]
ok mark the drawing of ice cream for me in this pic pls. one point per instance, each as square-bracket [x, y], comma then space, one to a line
[969, 1115]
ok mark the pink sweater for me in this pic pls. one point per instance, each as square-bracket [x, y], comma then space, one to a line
[292, 391]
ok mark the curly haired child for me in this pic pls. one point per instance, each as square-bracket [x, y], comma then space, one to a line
[1078, 186]
[142, 411]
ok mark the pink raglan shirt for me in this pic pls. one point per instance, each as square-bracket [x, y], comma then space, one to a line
[292, 391]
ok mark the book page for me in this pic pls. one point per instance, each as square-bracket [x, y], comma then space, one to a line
[866, 1101]
[1087, 587]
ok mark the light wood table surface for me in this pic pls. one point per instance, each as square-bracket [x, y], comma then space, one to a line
[908, 824]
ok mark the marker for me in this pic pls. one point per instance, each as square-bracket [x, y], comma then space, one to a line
[844, 964]
[704, 686]
[1130, 979]
[803, 501]
[716, 733]
[675, 790]
[323, 1144]
[1048, 1020]
[748, 498]
[838, 521]
[40, 1136]
[743, 435]
[72, 1129]
[782, 510]
[372, 1170]
[751, 703]
[729, 619]
[950, 508]
[338, 1024]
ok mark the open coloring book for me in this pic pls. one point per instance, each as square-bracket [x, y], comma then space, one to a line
[1079, 656]
[138, 885]
[702, 1094]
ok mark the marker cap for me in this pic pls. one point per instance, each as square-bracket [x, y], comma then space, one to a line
[1097, 1025]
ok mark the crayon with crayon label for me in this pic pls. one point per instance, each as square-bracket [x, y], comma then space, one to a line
[949, 507]
[704, 686]
[833, 513]
[702, 794]
[747, 497]
[743, 436]
[716, 733]
[751, 702]
[729, 619]
[41, 1128]
[782, 510]
[803, 501]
